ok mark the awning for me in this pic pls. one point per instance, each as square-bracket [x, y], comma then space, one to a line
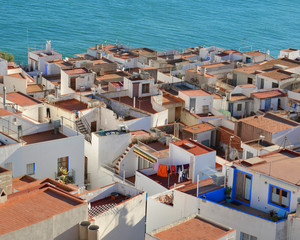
[144, 155]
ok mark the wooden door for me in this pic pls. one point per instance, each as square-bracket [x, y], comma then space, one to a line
[94, 126]
[73, 83]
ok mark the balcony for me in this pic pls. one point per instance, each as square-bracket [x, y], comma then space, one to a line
[218, 197]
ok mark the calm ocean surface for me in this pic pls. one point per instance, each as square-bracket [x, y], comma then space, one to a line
[74, 25]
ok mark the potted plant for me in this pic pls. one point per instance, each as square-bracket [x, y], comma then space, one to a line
[228, 194]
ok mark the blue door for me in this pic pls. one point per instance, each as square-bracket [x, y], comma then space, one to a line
[267, 104]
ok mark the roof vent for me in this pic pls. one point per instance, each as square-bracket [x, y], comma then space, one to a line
[279, 66]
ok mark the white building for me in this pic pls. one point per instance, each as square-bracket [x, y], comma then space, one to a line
[118, 210]
[290, 53]
[27, 146]
[37, 59]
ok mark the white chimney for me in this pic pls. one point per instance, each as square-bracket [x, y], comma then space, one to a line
[202, 71]
[48, 46]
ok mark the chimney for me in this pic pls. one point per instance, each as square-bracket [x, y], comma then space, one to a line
[298, 209]
[4, 98]
[48, 46]
[195, 68]
[202, 71]
[96, 47]
[56, 91]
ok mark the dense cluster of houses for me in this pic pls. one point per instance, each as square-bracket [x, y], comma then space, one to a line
[133, 143]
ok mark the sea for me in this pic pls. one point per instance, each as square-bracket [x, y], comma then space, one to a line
[74, 25]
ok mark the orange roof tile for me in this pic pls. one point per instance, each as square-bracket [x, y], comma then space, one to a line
[269, 94]
[277, 74]
[21, 99]
[196, 92]
[4, 112]
[192, 147]
[247, 86]
[34, 205]
[200, 127]
[269, 122]
[17, 75]
[195, 228]
[32, 88]
[170, 99]
[75, 71]
[254, 53]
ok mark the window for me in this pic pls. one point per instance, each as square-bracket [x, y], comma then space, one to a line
[8, 166]
[63, 162]
[279, 197]
[250, 80]
[249, 155]
[274, 85]
[146, 88]
[30, 168]
[239, 107]
[245, 236]
[248, 60]
[262, 83]
[144, 163]
[205, 108]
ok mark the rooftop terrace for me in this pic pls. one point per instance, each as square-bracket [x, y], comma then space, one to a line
[42, 137]
[71, 105]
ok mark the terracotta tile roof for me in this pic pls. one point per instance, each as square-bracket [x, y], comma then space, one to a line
[19, 182]
[4, 112]
[142, 103]
[170, 99]
[21, 99]
[75, 71]
[254, 53]
[277, 74]
[290, 50]
[195, 228]
[34, 205]
[32, 88]
[196, 92]
[192, 147]
[71, 105]
[269, 122]
[269, 94]
[268, 66]
[247, 86]
[17, 75]
[238, 97]
[201, 127]
[283, 164]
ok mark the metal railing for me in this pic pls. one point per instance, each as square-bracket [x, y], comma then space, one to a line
[111, 169]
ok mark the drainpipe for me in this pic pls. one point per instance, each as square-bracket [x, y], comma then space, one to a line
[4, 98]
[197, 185]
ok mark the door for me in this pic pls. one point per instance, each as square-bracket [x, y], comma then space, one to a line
[177, 113]
[267, 104]
[242, 187]
[262, 83]
[85, 168]
[135, 89]
[73, 83]
[94, 126]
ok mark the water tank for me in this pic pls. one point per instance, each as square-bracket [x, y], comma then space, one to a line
[83, 230]
[93, 232]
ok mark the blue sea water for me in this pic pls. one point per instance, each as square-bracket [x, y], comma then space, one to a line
[74, 25]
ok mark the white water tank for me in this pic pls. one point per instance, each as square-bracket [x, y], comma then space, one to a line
[83, 230]
[93, 232]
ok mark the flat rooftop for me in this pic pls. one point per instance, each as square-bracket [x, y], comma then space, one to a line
[42, 137]
[283, 164]
[269, 94]
[205, 186]
[76, 71]
[192, 147]
[71, 105]
[194, 228]
[167, 182]
[142, 103]
[258, 144]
